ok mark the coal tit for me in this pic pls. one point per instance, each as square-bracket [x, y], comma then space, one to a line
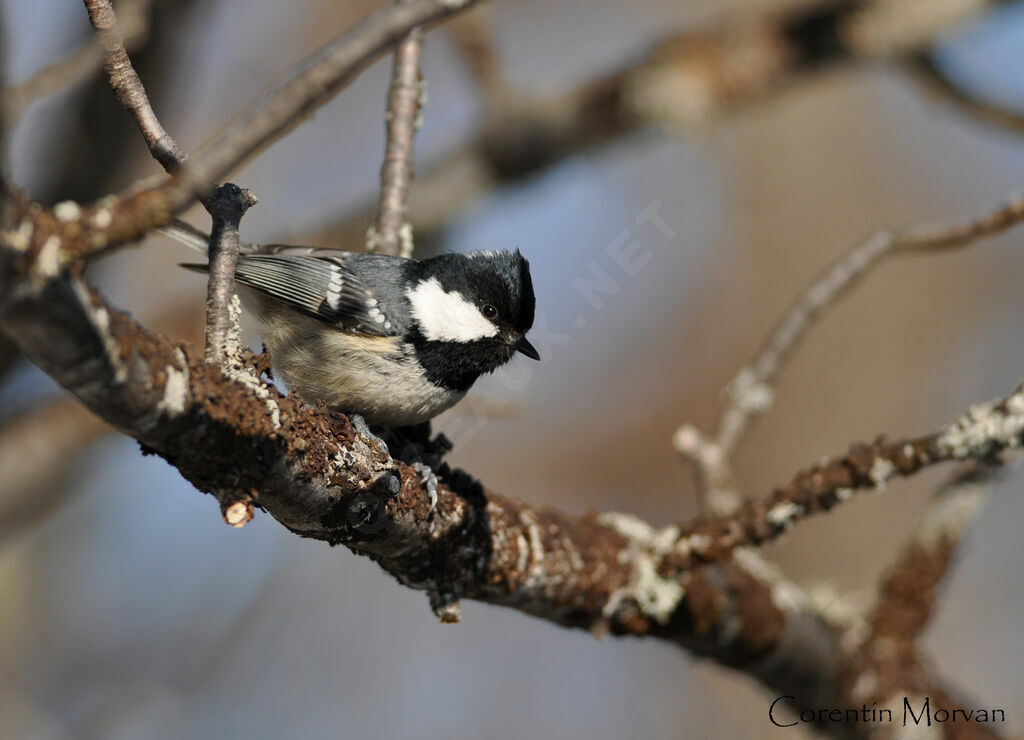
[394, 340]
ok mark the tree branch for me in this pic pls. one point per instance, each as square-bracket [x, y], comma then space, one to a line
[886, 662]
[752, 392]
[392, 233]
[238, 438]
[78, 64]
[79, 231]
[227, 206]
[128, 87]
[689, 81]
[980, 435]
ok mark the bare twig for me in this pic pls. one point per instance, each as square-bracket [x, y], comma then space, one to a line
[71, 232]
[128, 87]
[981, 435]
[752, 391]
[227, 206]
[392, 233]
[88, 57]
[313, 83]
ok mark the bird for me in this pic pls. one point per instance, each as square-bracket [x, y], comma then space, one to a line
[393, 340]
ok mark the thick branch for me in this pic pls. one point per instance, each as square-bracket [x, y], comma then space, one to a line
[238, 438]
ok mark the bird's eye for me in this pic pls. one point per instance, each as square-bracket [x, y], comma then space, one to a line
[489, 311]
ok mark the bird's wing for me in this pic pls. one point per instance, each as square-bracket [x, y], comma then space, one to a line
[321, 286]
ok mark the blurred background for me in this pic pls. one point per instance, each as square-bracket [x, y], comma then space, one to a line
[129, 610]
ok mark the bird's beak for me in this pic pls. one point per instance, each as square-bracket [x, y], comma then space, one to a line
[523, 345]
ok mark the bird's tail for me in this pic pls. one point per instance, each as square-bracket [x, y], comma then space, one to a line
[186, 234]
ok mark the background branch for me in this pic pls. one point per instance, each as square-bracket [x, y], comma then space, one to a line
[752, 392]
[689, 81]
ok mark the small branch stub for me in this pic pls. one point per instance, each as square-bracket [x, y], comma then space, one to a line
[446, 607]
[237, 514]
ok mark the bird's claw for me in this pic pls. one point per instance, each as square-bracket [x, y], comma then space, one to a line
[363, 428]
[429, 480]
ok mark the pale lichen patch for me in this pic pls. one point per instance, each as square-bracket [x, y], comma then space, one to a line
[751, 394]
[235, 368]
[783, 515]
[655, 596]
[21, 238]
[101, 321]
[864, 687]
[175, 396]
[102, 218]
[881, 471]
[67, 211]
[534, 569]
[985, 426]
[48, 261]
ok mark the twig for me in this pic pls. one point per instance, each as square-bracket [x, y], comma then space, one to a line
[928, 71]
[392, 233]
[81, 62]
[227, 206]
[71, 232]
[752, 392]
[980, 435]
[128, 87]
[311, 85]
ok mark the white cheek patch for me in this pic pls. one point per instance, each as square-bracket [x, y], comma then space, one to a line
[447, 317]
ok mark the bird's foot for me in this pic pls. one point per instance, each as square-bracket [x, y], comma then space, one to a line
[363, 428]
[429, 480]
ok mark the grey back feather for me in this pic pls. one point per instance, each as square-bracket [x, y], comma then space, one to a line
[356, 292]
